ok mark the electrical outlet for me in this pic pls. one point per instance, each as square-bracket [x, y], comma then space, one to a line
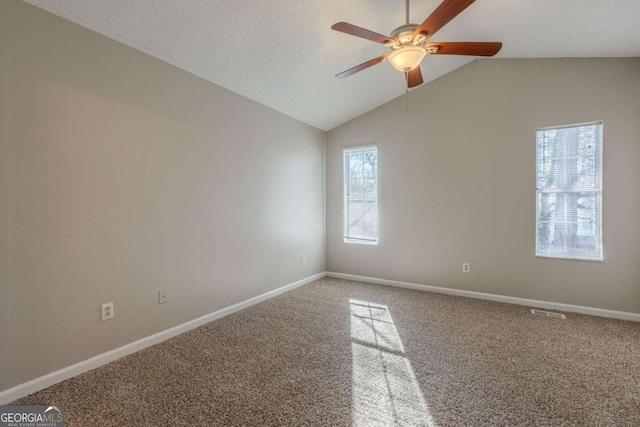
[162, 297]
[466, 267]
[107, 311]
[303, 259]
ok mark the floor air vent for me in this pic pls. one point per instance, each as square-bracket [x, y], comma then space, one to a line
[548, 314]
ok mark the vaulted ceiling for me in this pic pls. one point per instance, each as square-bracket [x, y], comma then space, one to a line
[283, 54]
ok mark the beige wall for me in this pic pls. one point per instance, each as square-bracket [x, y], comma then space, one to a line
[457, 181]
[122, 175]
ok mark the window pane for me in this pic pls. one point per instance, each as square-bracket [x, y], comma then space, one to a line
[363, 166]
[568, 225]
[363, 217]
[568, 157]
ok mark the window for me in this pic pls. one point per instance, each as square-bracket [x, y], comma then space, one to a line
[361, 195]
[569, 191]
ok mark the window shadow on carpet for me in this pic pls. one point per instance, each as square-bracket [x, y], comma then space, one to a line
[385, 389]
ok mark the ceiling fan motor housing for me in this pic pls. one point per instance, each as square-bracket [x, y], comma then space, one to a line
[404, 33]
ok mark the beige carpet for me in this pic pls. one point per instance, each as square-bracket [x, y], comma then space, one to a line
[339, 353]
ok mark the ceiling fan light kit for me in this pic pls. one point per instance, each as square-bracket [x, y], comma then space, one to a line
[407, 57]
[408, 43]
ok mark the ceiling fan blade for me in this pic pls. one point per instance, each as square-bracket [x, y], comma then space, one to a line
[466, 48]
[414, 77]
[360, 32]
[362, 66]
[447, 10]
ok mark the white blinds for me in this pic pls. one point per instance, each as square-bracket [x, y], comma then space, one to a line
[361, 195]
[569, 191]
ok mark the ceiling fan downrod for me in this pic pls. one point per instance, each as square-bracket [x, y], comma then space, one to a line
[408, 12]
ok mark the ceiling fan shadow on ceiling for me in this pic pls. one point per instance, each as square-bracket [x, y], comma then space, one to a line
[408, 43]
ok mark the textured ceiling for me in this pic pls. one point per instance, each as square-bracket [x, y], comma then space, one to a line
[283, 54]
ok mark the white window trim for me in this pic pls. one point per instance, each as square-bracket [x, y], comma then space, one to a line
[599, 193]
[345, 201]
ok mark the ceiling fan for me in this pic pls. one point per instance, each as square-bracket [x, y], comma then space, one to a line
[409, 45]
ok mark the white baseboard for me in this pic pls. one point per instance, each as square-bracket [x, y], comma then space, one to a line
[45, 381]
[622, 315]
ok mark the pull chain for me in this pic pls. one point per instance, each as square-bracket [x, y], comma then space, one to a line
[406, 95]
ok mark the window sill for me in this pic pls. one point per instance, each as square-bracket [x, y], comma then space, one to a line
[568, 258]
[361, 242]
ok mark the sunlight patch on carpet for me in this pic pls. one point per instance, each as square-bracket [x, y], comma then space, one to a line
[385, 389]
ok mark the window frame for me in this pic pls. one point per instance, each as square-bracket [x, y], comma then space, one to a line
[345, 196]
[599, 192]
